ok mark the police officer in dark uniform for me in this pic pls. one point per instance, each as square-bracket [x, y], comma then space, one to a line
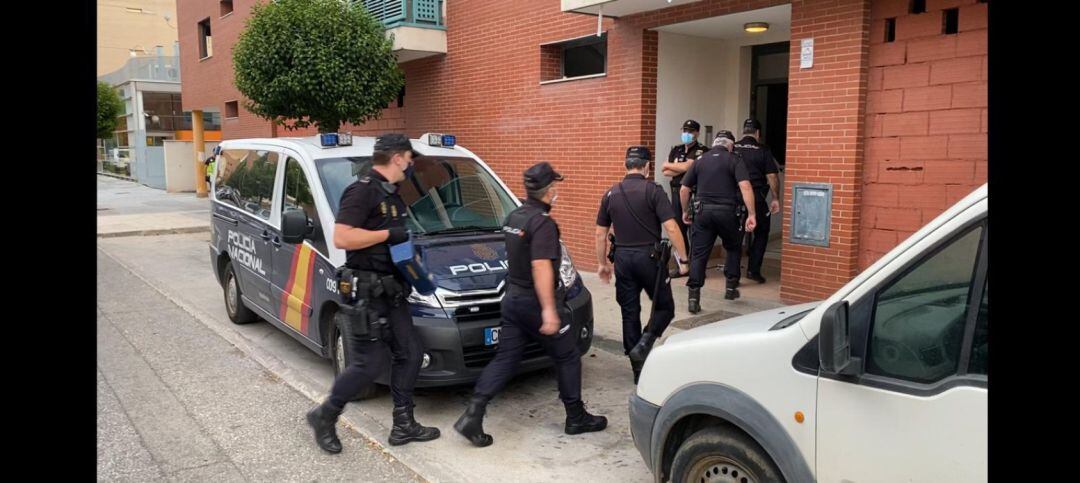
[638, 208]
[764, 179]
[371, 218]
[722, 183]
[534, 309]
[680, 158]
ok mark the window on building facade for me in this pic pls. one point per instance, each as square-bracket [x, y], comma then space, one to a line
[226, 7]
[585, 56]
[951, 22]
[205, 41]
[232, 109]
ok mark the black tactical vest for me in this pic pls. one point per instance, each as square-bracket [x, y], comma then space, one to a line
[518, 245]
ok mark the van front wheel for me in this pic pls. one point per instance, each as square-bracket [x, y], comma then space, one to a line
[234, 306]
[718, 454]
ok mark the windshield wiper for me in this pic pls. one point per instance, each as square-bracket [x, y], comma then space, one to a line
[462, 229]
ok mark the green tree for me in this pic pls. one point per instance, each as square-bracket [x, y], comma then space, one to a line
[109, 108]
[315, 62]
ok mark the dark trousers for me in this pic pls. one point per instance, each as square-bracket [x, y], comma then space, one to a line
[761, 233]
[521, 323]
[635, 271]
[710, 222]
[366, 358]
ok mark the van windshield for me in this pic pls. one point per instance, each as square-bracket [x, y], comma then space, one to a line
[444, 195]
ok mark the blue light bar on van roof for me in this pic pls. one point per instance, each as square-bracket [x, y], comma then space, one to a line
[442, 140]
[331, 139]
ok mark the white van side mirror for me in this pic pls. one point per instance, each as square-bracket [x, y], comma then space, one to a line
[834, 342]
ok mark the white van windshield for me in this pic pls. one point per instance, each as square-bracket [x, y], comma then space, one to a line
[445, 194]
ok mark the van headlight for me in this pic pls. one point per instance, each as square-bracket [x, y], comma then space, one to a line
[418, 298]
[567, 274]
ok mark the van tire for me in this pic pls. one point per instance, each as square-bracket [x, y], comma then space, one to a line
[719, 453]
[234, 304]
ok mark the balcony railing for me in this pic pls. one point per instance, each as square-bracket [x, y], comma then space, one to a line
[170, 122]
[413, 13]
[146, 69]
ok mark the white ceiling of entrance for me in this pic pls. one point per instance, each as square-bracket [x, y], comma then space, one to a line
[619, 8]
[730, 27]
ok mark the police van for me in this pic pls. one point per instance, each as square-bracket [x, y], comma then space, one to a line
[886, 380]
[456, 207]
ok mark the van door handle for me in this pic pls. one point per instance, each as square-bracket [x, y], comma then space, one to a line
[276, 241]
[266, 235]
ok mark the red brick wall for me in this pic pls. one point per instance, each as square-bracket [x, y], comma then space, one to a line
[826, 104]
[926, 118]
[208, 84]
[487, 91]
[889, 125]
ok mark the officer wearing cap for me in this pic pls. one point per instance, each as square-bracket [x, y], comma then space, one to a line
[680, 158]
[724, 139]
[371, 218]
[638, 208]
[722, 182]
[764, 179]
[533, 309]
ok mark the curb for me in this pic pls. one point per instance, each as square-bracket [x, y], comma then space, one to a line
[163, 231]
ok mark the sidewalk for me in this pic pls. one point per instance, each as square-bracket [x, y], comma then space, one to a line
[126, 208]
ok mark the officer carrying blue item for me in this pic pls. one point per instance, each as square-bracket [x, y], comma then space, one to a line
[370, 220]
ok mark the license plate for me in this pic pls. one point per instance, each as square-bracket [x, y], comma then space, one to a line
[491, 335]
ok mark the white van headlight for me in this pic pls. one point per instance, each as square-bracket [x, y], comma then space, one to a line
[423, 300]
[567, 274]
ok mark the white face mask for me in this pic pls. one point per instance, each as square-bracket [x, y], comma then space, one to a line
[554, 196]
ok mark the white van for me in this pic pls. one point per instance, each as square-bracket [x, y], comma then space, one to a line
[886, 380]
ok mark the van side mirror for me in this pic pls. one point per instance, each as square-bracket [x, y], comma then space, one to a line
[295, 226]
[834, 342]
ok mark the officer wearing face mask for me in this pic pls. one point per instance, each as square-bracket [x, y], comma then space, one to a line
[371, 218]
[680, 158]
[533, 309]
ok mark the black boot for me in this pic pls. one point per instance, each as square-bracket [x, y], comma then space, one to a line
[695, 300]
[732, 291]
[578, 420]
[641, 351]
[471, 424]
[755, 277]
[636, 367]
[322, 419]
[406, 428]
